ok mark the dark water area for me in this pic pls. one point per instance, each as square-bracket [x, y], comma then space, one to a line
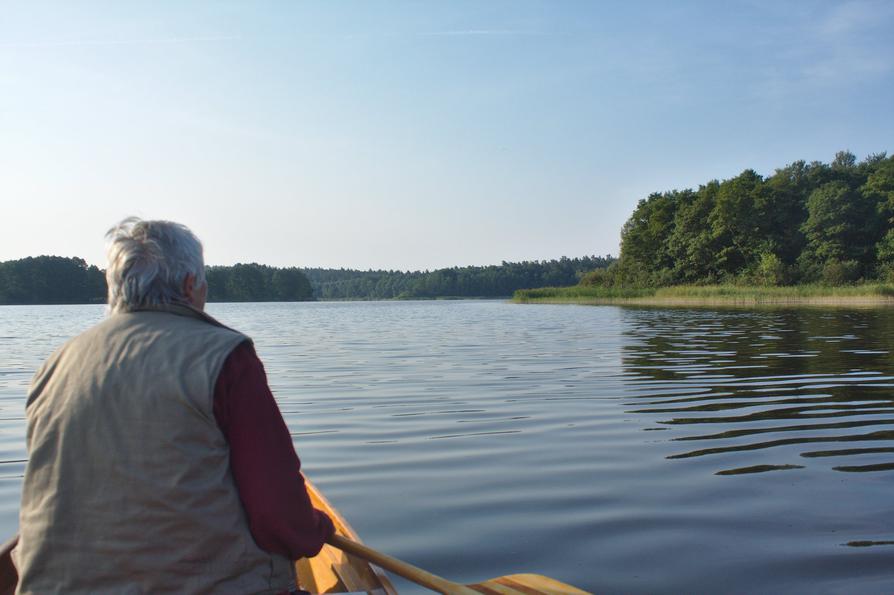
[624, 450]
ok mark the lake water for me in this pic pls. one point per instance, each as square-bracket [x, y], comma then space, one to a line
[624, 450]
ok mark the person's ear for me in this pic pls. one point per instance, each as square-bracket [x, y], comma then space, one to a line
[189, 287]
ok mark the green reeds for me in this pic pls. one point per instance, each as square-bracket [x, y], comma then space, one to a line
[865, 294]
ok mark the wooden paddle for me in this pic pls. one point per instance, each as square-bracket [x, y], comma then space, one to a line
[528, 584]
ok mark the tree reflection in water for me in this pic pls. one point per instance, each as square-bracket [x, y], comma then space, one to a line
[738, 381]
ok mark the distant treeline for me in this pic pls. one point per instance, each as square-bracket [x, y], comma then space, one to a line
[58, 280]
[472, 281]
[806, 223]
[257, 283]
[51, 280]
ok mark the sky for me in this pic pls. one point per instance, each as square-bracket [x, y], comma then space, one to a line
[414, 135]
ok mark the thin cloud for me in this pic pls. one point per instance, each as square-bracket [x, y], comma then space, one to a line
[853, 18]
[120, 42]
[479, 33]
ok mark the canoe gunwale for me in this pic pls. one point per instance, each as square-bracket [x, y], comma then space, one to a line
[352, 574]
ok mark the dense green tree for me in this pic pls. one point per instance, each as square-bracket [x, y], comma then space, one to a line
[840, 225]
[770, 270]
[844, 161]
[879, 188]
[645, 236]
[246, 282]
[807, 222]
[691, 245]
[50, 280]
[290, 285]
[784, 209]
[736, 223]
[257, 283]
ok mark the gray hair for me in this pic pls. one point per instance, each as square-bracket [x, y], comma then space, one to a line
[148, 262]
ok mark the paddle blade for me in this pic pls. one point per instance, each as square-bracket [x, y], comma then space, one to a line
[527, 584]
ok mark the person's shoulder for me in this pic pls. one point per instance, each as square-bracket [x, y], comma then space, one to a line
[173, 318]
[69, 348]
[87, 334]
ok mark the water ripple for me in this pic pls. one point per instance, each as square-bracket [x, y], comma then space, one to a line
[464, 436]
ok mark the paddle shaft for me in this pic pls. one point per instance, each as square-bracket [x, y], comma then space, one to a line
[398, 567]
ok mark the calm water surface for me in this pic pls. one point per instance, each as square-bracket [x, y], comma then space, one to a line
[623, 450]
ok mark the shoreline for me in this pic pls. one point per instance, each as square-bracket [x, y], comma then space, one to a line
[670, 301]
[867, 296]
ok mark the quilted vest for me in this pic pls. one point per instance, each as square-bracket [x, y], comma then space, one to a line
[128, 486]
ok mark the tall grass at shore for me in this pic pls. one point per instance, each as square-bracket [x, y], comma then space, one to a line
[710, 294]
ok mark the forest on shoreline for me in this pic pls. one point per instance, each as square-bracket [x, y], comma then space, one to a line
[808, 223]
[492, 281]
[59, 280]
[811, 233]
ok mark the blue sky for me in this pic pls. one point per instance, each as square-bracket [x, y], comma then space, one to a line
[414, 135]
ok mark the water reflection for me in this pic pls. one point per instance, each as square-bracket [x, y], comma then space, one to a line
[734, 381]
[650, 451]
[758, 469]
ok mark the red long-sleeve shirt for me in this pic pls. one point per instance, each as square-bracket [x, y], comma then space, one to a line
[263, 460]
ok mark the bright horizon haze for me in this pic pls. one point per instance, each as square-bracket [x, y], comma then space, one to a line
[414, 135]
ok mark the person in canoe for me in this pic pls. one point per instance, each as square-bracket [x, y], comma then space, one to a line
[158, 458]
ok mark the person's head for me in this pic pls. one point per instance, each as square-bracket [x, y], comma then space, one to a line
[153, 263]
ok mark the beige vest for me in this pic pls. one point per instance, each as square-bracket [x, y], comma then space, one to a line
[128, 486]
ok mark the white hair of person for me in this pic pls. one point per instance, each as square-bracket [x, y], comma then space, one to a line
[149, 262]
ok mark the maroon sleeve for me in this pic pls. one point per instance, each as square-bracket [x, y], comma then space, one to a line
[263, 460]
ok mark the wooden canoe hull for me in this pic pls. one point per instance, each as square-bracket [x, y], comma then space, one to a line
[331, 571]
[334, 571]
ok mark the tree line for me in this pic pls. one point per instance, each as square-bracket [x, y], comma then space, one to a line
[460, 282]
[807, 223]
[51, 280]
[257, 283]
[58, 280]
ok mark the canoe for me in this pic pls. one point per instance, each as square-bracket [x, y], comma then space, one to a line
[334, 571]
[331, 571]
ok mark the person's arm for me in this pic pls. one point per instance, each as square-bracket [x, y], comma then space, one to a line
[263, 460]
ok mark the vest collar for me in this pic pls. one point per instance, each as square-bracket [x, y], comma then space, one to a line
[179, 310]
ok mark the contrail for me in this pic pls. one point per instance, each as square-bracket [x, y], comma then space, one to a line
[479, 32]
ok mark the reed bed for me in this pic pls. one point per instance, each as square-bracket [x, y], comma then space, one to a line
[875, 294]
